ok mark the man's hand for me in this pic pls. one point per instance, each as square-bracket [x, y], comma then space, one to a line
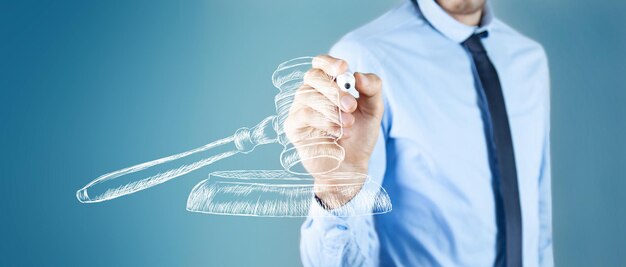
[315, 111]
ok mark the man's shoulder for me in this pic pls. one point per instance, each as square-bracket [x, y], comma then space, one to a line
[509, 35]
[396, 19]
[391, 27]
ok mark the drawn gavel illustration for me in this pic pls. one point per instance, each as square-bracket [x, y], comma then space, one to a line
[274, 193]
[287, 78]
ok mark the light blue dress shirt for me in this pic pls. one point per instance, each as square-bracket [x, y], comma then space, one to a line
[432, 155]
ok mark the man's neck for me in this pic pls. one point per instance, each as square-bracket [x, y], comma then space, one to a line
[472, 19]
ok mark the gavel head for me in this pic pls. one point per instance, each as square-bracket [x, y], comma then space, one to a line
[310, 135]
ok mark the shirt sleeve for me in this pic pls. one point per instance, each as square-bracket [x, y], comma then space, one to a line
[545, 213]
[546, 258]
[329, 240]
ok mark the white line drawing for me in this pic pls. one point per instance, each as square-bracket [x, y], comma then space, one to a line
[270, 193]
[278, 193]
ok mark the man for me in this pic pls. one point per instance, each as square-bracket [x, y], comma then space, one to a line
[453, 121]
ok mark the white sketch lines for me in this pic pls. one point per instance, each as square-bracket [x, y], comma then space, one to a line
[282, 193]
[279, 193]
[109, 186]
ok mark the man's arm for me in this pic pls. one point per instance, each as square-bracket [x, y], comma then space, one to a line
[546, 258]
[545, 212]
[328, 240]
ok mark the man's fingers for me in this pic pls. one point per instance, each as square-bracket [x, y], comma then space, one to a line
[310, 116]
[370, 93]
[310, 97]
[368, 84]
[313, 128]
[347, 119]
[330, 65]
[325, 84]
[305, 116]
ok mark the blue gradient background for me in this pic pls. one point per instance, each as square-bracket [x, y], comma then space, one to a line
[88, 87]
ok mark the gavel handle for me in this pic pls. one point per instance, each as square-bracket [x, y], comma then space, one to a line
[145, 175]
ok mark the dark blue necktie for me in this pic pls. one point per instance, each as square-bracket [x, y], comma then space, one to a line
[507, 193]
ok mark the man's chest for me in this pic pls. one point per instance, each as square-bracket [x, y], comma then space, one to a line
[435, 107]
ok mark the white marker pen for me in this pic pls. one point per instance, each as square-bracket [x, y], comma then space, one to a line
[346, 82]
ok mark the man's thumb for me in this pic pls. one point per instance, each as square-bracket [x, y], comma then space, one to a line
[370, 99]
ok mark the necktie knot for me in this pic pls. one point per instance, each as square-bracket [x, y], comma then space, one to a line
[473, 43]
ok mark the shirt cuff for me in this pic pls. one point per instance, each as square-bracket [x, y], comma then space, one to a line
[366, 202]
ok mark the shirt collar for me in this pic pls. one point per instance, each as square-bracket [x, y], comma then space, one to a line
[450, 27]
